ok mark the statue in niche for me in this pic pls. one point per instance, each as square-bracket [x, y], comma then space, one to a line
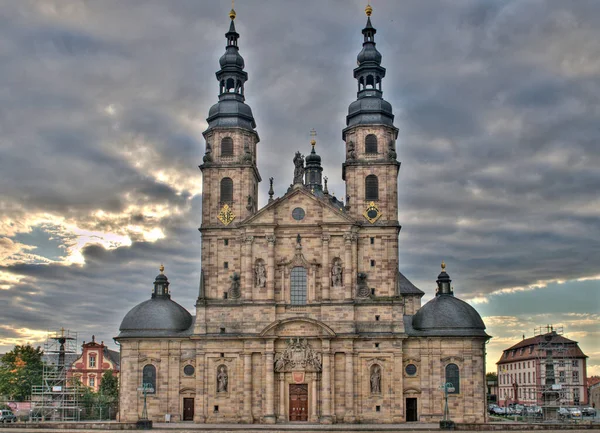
[260, 274]
[222, 379]
[336, 273]
[247, 157]
[208, 154]
[299, 168]
[391, 151]
[376, 379]
[351, 151]
[234, 289]
[362, 290]
[250, 204]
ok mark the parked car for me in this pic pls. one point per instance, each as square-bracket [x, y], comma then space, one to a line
[533, 411]
[7, 416]
[491, 407]
[575, 412]
[499, 410]
[563, 412]
[588, 411]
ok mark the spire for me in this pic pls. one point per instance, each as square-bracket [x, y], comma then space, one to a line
[161, 285]
[231, 111]
[443, 283]
[370, 107]
[313, 171]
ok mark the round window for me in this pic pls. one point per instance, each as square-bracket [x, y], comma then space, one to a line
[298, 214]
[188, 370]
[411, 369]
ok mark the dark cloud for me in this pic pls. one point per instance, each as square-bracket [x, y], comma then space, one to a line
[496, 102]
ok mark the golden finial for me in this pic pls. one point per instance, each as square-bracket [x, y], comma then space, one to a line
[368, 10]
[443, 266]
[313, 134]
[162, 268]
[232, 11]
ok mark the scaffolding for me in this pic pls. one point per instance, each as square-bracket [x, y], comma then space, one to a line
[555, 356]
[57, 398]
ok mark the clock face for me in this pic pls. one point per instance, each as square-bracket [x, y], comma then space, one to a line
[372, 213]
[226, 215]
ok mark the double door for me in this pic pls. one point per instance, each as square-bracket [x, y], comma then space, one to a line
[299, 402]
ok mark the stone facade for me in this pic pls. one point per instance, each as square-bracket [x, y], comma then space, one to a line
[302, 314]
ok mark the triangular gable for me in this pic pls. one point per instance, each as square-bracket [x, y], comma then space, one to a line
[318, 211]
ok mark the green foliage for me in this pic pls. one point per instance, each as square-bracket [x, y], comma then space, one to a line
[109, 386]
[101, 405]
[19, 370]
[491, 376]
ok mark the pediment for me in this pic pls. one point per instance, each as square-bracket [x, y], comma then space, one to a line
[298, 327]
[316, 211]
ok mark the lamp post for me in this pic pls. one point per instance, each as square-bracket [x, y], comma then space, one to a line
[446, 423]
[144, 423]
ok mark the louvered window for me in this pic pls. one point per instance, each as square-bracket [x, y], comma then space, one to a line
[226, 190]
[371, 188]
[227, 146]
[371, 144]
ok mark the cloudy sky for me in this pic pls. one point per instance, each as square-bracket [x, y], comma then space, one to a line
[102, 106]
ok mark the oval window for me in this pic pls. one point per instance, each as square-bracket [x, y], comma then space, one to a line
[188, 370]
[411, 369]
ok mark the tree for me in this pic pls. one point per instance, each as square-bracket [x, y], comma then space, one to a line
[491, 376]
[19, 370]
[109, 386]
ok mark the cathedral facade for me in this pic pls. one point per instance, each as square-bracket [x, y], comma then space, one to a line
[302, 313]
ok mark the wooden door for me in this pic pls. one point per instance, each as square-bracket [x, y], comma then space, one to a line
[188, 409]
[411, 409]
[299, 402]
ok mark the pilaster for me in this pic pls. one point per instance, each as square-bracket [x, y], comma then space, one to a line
[326, 278]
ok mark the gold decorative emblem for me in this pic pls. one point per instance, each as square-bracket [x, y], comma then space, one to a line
[372, 213]
[226, 215]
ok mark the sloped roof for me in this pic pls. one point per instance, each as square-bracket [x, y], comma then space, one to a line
[405, 287]
[535, 347]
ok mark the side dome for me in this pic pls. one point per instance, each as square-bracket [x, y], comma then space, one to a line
[447, 312]
[156, 314]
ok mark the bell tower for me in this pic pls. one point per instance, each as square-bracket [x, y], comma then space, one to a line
[230, 174]
[371, 168]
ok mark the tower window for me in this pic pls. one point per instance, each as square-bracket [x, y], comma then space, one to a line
[225, 242]
[371, 188]
[372, 241]
[230, 85]
[226, 190]
[298, 286]
[372, 262]
[227, 146]
[371, 144]
[225, 265]
[149, 377]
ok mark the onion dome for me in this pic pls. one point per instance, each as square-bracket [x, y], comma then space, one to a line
[158, 316]
[313, 170]
[370, 108]
[446, 315]
[231, 111]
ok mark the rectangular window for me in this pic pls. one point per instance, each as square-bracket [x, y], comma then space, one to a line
[225, 242]
[519, 377]
[92, 361]
[225, 265]
[561, 376]
[372, 241]
[372, 263]
[92, 381]
[298, 286]
[529, 376]
[561, 363]
[575, 363]
[575, 377]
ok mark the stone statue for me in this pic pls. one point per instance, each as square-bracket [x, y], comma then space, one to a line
[222, 379]
[336, 273]
[362, 290]
[208, 154]
[234, 290]
[250, 204]
[299, 168]
[351, 152]
[391, 151]
[247, 157]
[260, 274]
[298, 356]
[376, 379]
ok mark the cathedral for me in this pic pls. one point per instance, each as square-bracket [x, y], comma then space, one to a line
[302, 313]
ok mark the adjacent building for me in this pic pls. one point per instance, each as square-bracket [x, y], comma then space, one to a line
[302, 313]
[94, 361]
[530, 369]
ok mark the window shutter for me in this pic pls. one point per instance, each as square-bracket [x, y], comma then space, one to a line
[371, 144]
[226, 190]
[227, 146]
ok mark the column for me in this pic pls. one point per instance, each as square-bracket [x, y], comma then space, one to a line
[313, 417]
[200, 400]
[281, 416]
[271, 268]
[248, 280]
[247, 416]
[348, 271]
[349, 382]
[326, 269]
[269, 413]
[326, 385]
[354, 258]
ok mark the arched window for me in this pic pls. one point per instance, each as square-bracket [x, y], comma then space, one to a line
[226, 190]
[230, 85]
[370, 82]
[227, 146]
[298, 286]
[453, 377]
[149, 378]
[371, 144]
[371, 188]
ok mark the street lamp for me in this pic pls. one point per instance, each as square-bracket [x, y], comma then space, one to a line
[144, 423]
[446, 423]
